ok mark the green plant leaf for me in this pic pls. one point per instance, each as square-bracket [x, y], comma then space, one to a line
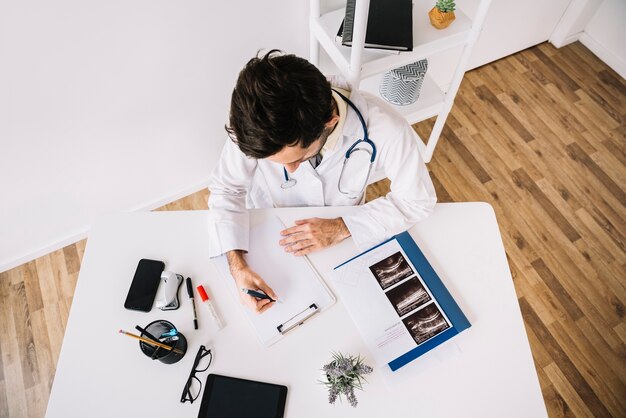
[445, 6]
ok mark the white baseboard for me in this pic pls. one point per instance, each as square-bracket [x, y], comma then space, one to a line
[559, 43]
[170, 198]
[82, 233]
[575, 18]
[46, 249]
[605, 54]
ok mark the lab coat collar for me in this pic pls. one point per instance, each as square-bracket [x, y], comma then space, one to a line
[352, 129]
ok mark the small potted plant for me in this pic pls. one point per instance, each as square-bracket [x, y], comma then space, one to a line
[343, 375]
[442, 14]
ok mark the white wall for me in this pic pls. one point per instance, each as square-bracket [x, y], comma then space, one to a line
[120, 104]
[511, 26]
[605, 35]
[117, 105]
[573, 22]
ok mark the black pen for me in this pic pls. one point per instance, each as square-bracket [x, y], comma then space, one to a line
[193, 302]
[153, 338]
[255, 294]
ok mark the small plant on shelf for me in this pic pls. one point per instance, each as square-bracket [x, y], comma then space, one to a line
[343, 375]
[442, 14]
[445, 5]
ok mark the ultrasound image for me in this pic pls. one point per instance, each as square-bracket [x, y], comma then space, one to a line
[408, 296]
[426, 323]
[391, 270]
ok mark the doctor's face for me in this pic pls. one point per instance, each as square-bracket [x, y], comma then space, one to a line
[292, 156]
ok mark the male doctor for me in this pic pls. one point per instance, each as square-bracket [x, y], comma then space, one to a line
[299, 139]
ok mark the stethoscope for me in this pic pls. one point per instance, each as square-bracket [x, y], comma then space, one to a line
[290, 182]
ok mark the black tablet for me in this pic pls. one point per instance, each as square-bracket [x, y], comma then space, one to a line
[230, 397]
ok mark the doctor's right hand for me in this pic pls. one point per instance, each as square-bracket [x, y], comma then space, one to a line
[246, 278]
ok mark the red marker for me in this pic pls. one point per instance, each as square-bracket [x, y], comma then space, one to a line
[205, 298]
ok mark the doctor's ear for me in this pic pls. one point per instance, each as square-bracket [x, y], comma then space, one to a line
[332, 122]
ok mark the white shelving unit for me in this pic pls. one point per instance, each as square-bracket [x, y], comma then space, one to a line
[363, 68]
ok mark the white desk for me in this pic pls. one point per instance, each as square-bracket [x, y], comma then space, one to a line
[487, 371]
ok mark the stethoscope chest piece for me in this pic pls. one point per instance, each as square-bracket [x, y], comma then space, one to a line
[288, 184]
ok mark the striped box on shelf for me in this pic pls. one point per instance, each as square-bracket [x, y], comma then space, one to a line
[401, 86]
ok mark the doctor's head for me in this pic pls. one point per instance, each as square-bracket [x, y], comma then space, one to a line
[281, 109]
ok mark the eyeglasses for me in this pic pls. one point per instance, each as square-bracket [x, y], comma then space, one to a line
[193, 387]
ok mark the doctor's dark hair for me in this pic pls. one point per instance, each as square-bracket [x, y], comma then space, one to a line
[279, 100]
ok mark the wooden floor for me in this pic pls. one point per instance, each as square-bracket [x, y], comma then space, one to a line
[541, 136]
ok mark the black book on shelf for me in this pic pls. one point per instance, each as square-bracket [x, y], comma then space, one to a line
[389, 25]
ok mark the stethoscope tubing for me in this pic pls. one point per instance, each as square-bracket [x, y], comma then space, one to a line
[366, 138]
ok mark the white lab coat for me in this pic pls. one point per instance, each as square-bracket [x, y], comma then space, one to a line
[239, 182]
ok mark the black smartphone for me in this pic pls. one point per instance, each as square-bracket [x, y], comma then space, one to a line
[144, 286]
[231, 397]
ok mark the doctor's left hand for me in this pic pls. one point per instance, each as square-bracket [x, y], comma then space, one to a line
[313, 234]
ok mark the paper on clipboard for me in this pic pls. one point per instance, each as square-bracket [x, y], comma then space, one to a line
[301, 290]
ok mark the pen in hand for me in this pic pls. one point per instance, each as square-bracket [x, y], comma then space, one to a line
[257, 294]
[193, 302]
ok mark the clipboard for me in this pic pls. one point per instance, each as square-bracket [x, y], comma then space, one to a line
[301, 290]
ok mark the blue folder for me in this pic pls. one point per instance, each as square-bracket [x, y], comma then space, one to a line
[457, 319]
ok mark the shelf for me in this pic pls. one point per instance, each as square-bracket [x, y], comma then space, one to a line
[429, 103]
[427, 40]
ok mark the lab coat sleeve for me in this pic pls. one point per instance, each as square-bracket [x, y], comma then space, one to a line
[228, 217]
[412, 197]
